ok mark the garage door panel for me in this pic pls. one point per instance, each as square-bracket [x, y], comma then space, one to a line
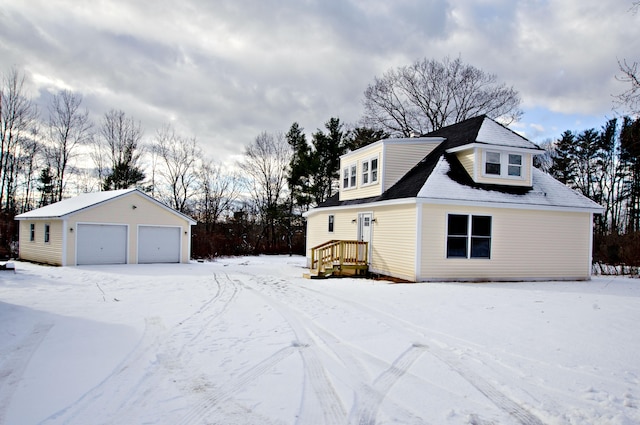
[158, 244]
[101, 244]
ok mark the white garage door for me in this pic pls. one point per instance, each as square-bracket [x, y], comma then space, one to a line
[158, 244]
[101, 244]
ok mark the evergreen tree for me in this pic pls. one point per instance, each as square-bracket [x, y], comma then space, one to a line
[47, 187]
[363, 136]
[630, 154]
[325, 160]
[123, 176]
[563, 166]
[299, 178]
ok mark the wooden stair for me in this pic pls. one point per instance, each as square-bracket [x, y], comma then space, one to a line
[338, 258]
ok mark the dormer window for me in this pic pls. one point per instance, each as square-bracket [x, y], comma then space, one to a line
[349, 177]
[369, 171]
[515, 165]
[502, 164]
[492, 163]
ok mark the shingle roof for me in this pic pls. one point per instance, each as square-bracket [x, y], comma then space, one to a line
[419, 181]
[86, 200]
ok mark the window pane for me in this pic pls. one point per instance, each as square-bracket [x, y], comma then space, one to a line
[514, 170]
[492, 168]
[493, 157]
[458, 225]
[353, 176]
[480, 225]
[345, 178]
[330, 223]
[456, 247]
[374, 169]
[515, 159]
[480, 247]
[365, 167]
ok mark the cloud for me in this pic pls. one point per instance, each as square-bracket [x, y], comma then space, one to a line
[224, 71]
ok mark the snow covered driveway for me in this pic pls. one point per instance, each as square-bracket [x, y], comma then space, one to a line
[248, 341]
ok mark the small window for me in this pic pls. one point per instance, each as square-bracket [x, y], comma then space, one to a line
[374, 170]
[369, 171]
[331, 221]
[32, 232]
[365, 172]
[345, 178]
[492, 163]
[46, 233]
[468, 236]
[515, 165]
[353, 175]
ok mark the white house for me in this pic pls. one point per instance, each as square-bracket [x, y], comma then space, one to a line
[461, 203]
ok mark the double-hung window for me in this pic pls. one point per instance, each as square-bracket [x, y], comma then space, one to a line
[349, 176]
[515, 165]
[32, 232]
[331, 222]
[502, 164]
[370, 171]
[47, 231]
[492, 163]
[468, 236]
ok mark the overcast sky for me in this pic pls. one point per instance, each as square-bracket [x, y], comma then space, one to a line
[224, 71]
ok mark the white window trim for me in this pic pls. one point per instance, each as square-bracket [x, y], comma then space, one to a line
[504, 165]
[331, 223]
[32, 232]
[352, 171]
[468, 237]
[46, 235]
[369, 161]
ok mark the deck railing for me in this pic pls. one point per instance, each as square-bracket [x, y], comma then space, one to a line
[338, 254]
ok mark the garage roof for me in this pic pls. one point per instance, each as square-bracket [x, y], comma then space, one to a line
[64, 208]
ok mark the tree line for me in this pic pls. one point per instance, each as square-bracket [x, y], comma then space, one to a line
[604, 165]
[256, 205]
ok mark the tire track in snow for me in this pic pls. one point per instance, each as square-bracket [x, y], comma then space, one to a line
[154, 359]
[15, 363]
[382, 385]
[498, 398]
[205, 411]
[367, 398]
[319, 397]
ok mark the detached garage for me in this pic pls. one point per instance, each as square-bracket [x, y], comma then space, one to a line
[111, 227]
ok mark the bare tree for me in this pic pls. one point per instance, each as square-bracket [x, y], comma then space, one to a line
[120, 149]
[630, 99]
[178, 156]
[69, 127]
[429, 94]
[18, 116]
[265, 164]
[219, 191]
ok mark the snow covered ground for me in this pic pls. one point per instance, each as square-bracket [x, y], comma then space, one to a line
[249, 341]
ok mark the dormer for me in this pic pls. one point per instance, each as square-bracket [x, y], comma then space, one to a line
[374, 168]
[495, 164]
[497, 156]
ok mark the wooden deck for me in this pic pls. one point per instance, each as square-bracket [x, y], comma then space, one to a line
[339, 258]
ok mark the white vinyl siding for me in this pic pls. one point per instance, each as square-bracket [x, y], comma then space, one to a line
[402, 156]
[37, 250]
[394, 240]
[524, 245]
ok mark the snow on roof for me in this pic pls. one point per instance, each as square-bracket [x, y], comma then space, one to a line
[546, 192]
[496, 134]
[71, 205]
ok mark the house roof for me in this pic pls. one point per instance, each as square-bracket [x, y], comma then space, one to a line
[440, 177]
[66, 207]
